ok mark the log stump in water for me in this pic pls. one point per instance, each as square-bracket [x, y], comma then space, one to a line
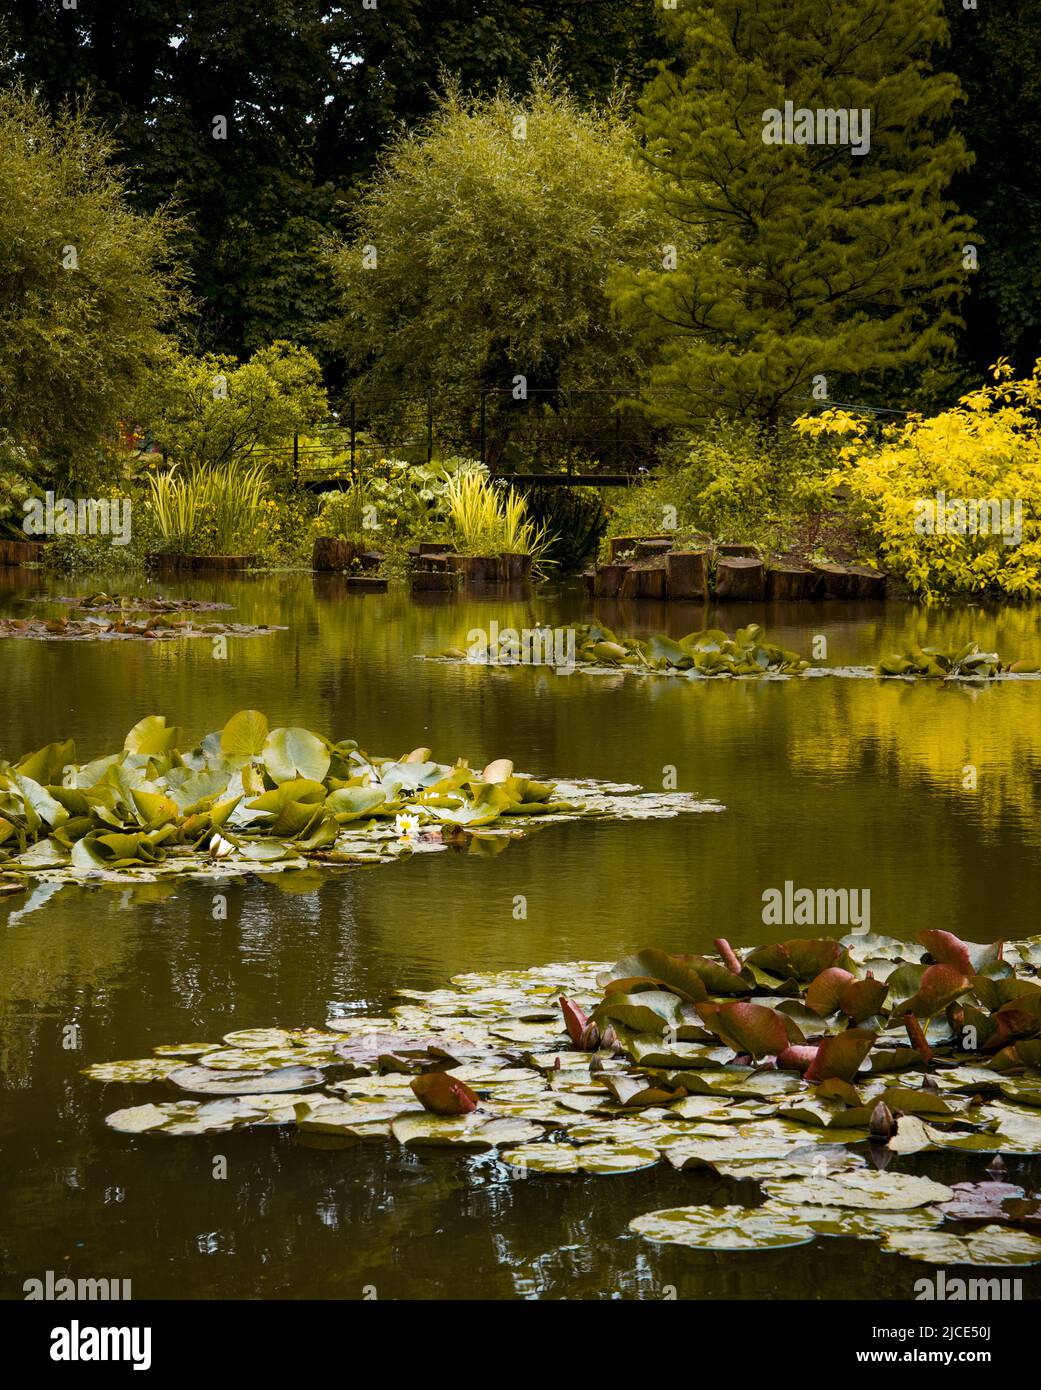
[609, 579]
[480, 569]
[516, 567]
[437, 581]
[619, 545]
[790, 582]
[647, 579]
[687, 571]
[334, 553]
[740, 578]
[20, 552]
[850, 582]
[225, 563]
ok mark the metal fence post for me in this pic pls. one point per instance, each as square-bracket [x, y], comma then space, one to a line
[354, 435]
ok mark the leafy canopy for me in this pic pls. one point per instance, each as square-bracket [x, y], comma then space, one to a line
[794, 260]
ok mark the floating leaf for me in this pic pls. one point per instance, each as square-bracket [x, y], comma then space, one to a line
[876, 1191]
[722, 1228]
[992, 1245]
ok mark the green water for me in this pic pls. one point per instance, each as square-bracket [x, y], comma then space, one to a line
[826, 782]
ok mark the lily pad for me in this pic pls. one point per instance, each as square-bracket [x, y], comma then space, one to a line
[722, 1228]
[875, 1191]
[991, 1245]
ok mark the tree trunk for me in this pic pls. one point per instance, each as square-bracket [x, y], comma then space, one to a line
[790, 582]
[332, 553]
[740, 578]
[850, 582]
[688, 574]
[609, 580]
[648, 580]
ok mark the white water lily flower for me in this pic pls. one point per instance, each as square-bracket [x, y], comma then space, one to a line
[220, 848]
[407, 827]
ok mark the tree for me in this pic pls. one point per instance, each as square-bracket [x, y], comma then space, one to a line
[212, 412]
[482, 254]
[85, 282]
[796, 261]
[310, 94]
[996, 53]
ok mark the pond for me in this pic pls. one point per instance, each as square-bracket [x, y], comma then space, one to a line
[829, 782]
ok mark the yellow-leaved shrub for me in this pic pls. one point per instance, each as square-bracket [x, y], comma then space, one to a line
[987, 449]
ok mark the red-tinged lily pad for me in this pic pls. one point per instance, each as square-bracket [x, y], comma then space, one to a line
[939, 986]
[980, 1201]
[748, 1028]
[797, 1057]
[824, 992]
[1024, 1053]
[443, 1094]
[966, 957]
[651, 966]
[1019, 1018]
[863, 998]
[803, 959]
[575, 1021]
[840, 1055]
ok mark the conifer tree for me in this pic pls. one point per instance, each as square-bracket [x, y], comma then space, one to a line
[795, 261]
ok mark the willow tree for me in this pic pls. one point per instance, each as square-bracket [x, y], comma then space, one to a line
[482, 253]
[798, 246]
[85, 283]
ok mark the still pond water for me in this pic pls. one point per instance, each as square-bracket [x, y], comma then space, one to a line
[826, 782]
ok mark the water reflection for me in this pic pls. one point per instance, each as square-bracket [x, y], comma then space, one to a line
[826, 782]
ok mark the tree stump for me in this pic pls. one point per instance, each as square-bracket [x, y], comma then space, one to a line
[790, 582]
[588, 578]
[618, 545]
[169, 562]
[740, 578]
[366, 583]
[688, 574]
[440, 581]
[224, 563]
[609, 579]
[333, 553]
[20, 552]
[647, 549]
[480, 569]
[850, 582]
[733, 550]
[516, 568]
[647, 580]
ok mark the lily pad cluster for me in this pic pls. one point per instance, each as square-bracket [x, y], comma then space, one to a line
[103, 602]
[250, 797]
[937, 663]
[823, 1072]
[712, 652]
[94, 628]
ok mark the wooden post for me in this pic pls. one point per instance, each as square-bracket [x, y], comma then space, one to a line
[354, 437]
[740, 578]
[430, 427]
[688, 574]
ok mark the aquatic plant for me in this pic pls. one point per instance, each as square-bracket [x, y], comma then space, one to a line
[755, 1064]
[249, 796]
[709, 653]
[156, 628]
[488, 521]
[939, 664]
[208, 511]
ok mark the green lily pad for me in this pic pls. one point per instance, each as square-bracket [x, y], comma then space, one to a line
[872, 1190]
[722, 1228]
[991, 1245]
[206, 1081]
[600, 1159]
